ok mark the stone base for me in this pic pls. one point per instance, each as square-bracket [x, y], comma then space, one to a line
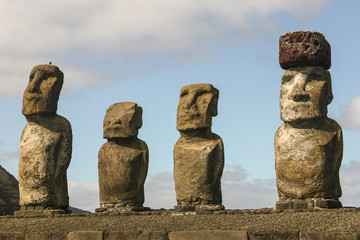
[105, 209]
[198, 208]
[306, 204]
[39, 211]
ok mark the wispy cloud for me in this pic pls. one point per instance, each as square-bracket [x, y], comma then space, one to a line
[90, 39]
[350, 114]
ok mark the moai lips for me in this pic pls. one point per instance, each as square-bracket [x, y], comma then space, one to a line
[308, 145]
[199, 153]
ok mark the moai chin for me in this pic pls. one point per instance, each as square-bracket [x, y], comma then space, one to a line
[45, 146]
[308, 145]
[199, 153]
[123, 160]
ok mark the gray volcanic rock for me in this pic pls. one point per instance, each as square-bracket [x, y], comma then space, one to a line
[9, 193]
[123, 160]
[308, 145]
[199, 153]
[46, 144]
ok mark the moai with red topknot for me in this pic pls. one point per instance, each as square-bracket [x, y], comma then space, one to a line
[308, 145]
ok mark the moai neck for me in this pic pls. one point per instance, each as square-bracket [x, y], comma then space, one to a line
[123, 141]
[308, 123]
[196, 133]
[40, 118]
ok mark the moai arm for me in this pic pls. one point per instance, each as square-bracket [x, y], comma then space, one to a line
[64, 149]
[143, 175]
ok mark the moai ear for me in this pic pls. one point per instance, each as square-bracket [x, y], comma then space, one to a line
[330, 95]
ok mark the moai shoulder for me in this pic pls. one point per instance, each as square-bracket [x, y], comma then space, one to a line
[199, 153]
[45, 146]
[123, 160]
[308, 145]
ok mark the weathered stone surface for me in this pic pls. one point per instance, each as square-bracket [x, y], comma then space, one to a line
[197, 106]
[304, 48]
[46, 143]
[329, 235]
[123, 161]
[9, 193]
[199, 153]
[85, 235]
[275, 235]
[122, 120]
[308, 160]
[12, 236]
[45, 236]
[209, 235]
[42, 92]
[305, 93]
[137, 235]
[309, 145]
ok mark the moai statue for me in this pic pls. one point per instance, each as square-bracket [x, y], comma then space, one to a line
[308, 145]
[123, 160]
[45, 146]
[199, 153]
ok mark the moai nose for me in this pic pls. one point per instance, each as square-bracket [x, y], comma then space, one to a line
[298, 93]
[34, 84]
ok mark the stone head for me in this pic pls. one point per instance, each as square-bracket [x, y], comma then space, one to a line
[122, 120]
[42, 92]
[306, 83]
[305, 93]
[197, 106]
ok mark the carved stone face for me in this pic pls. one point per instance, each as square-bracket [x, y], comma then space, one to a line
[122, 120]
[305, 93]
[42, 92]
[197, 105]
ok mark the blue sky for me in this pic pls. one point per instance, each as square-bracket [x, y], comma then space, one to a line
[145, 51]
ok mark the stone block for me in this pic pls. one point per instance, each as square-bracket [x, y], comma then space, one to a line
[329, 236]
[45, 236]
[85, 235]
[327, 203]
[137, 235]
[284, 205]
[275, 235]
[209, 235]
[12, 236]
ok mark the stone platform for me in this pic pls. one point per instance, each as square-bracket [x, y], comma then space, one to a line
[247, 224]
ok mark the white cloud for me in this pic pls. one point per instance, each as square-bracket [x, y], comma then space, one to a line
[349, 180]
[83, 31]
[84, 195]
[350, 114]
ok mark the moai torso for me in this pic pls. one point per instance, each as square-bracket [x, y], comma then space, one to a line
[122, 172]
[123, 160]
[45, 152]
[46, 144]
[199, 153]
[308, 146]
[198, 167]
[308, 160]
